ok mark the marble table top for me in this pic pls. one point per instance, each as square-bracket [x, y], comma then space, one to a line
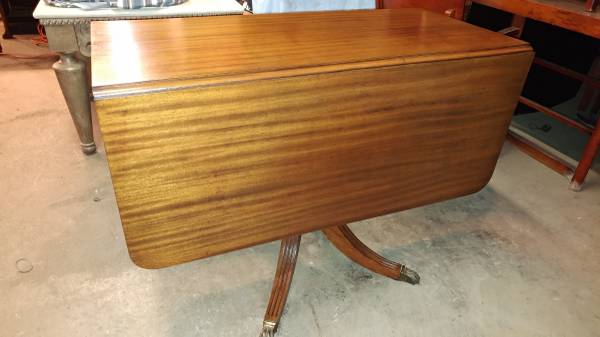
[51, 14]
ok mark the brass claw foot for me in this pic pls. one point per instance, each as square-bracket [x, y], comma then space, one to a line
[409, 275]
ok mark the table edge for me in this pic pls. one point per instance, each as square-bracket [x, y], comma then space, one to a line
[111, 91]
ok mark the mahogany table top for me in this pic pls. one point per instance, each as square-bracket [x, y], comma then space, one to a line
[227, 132]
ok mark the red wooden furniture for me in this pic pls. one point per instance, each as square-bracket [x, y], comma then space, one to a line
[590, 5]
[574, 16]
[452, 8]
[569, 14]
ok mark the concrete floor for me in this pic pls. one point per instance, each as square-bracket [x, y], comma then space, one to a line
[519, 258]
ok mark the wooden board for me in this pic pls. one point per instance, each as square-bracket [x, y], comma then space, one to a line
[207, 164]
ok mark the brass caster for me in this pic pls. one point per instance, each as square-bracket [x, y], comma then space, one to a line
[409, 275]
[268, 329]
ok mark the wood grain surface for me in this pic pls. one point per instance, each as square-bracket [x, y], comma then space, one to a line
[210, 49]
[206, 170]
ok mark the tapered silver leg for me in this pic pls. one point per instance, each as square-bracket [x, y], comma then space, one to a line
[72, 77]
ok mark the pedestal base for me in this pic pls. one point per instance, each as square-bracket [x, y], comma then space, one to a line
[345, 241]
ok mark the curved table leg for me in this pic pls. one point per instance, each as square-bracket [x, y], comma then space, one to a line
[288, 253]
[344, 240]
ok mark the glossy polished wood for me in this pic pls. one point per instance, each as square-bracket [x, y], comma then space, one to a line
[204, 166]
[216, 49]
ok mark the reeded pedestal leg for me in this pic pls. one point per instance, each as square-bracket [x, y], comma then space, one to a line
[72, 77]
[344, 240]
[288, 254]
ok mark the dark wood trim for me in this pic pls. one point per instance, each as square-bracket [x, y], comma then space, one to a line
[594, 82]
[561, 118]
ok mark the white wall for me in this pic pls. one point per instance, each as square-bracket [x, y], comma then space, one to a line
[271, 6]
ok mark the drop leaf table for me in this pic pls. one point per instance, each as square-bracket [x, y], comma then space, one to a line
[226, 132]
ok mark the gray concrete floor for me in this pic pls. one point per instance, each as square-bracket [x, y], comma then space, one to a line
[519, 258]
